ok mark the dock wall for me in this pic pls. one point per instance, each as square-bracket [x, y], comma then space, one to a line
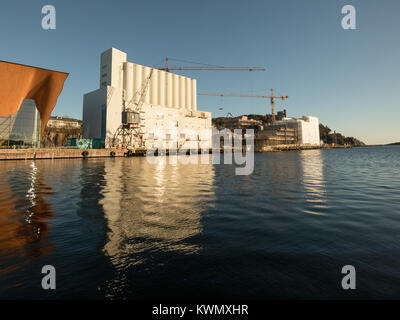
[55, 153]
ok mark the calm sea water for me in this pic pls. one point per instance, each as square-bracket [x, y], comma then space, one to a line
[126, 229]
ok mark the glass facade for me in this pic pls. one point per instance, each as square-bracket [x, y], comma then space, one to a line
[21, 129]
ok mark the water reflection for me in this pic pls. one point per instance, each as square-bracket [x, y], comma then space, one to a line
[313, 181]
[154, 207]
[24, 218]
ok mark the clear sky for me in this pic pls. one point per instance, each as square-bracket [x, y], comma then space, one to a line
[347, 78]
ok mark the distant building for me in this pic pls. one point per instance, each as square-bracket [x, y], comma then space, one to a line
[64, 122]
[304, 131]
[59, 130]
[307, 129]
[275, 135]
[241, 122]
[281, 115]
[168, 114]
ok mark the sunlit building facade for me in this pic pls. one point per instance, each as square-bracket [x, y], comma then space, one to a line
[168, 110]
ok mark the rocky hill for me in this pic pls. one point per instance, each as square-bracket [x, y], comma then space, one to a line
[337, 138]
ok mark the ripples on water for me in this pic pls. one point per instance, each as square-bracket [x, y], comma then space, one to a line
[124, 228]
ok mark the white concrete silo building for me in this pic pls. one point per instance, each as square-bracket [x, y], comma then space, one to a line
[169, 111]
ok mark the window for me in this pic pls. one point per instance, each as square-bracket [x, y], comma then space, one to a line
[21, 128]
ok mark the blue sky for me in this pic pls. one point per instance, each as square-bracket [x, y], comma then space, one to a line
[347, 78]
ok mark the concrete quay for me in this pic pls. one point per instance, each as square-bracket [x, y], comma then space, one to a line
[65, 153]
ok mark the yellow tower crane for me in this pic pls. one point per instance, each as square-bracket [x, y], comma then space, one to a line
[272, 98]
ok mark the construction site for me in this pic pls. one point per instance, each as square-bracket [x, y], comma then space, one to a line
[274, 132]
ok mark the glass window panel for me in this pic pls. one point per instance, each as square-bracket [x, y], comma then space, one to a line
[24, 126]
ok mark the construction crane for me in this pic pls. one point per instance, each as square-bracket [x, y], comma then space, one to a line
[272, 98]
[130, 131]
[215, 68]
[138, 98]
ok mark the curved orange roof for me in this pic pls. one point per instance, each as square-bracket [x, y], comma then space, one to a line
[19, 82]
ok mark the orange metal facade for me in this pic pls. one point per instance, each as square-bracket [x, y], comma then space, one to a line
[19, 82]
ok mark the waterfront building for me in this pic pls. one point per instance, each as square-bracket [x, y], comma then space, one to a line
[302, 132]
[27, 97]
[168, 105]
[307, 129]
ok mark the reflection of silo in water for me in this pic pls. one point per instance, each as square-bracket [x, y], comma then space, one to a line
[314, 181]
[154, 206]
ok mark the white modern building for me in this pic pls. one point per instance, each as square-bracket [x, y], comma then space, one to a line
[168, 111]
[307, 129]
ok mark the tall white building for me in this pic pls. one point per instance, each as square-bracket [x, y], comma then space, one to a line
[169, 110]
